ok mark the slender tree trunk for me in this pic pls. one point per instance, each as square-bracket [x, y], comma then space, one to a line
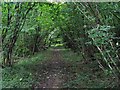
[10, 42]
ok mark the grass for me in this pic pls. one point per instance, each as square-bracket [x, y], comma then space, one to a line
[84, 75]
[71, 57]
[21, 75]
[25, 72]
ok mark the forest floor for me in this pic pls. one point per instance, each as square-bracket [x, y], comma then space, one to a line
[56, 68]
[55, 71]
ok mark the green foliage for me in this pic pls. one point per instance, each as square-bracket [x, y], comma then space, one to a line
[101, 35]
[91, 30]
[83, 75]
[21, 75]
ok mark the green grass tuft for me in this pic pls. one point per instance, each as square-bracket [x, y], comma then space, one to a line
[21, 75]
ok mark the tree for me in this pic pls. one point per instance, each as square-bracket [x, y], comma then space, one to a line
[11, 28]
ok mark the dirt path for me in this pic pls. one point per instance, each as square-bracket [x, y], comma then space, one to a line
[55, 72]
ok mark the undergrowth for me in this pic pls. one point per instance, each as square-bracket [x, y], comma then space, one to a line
[21, 75]
[88, 75]
[25, 72]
